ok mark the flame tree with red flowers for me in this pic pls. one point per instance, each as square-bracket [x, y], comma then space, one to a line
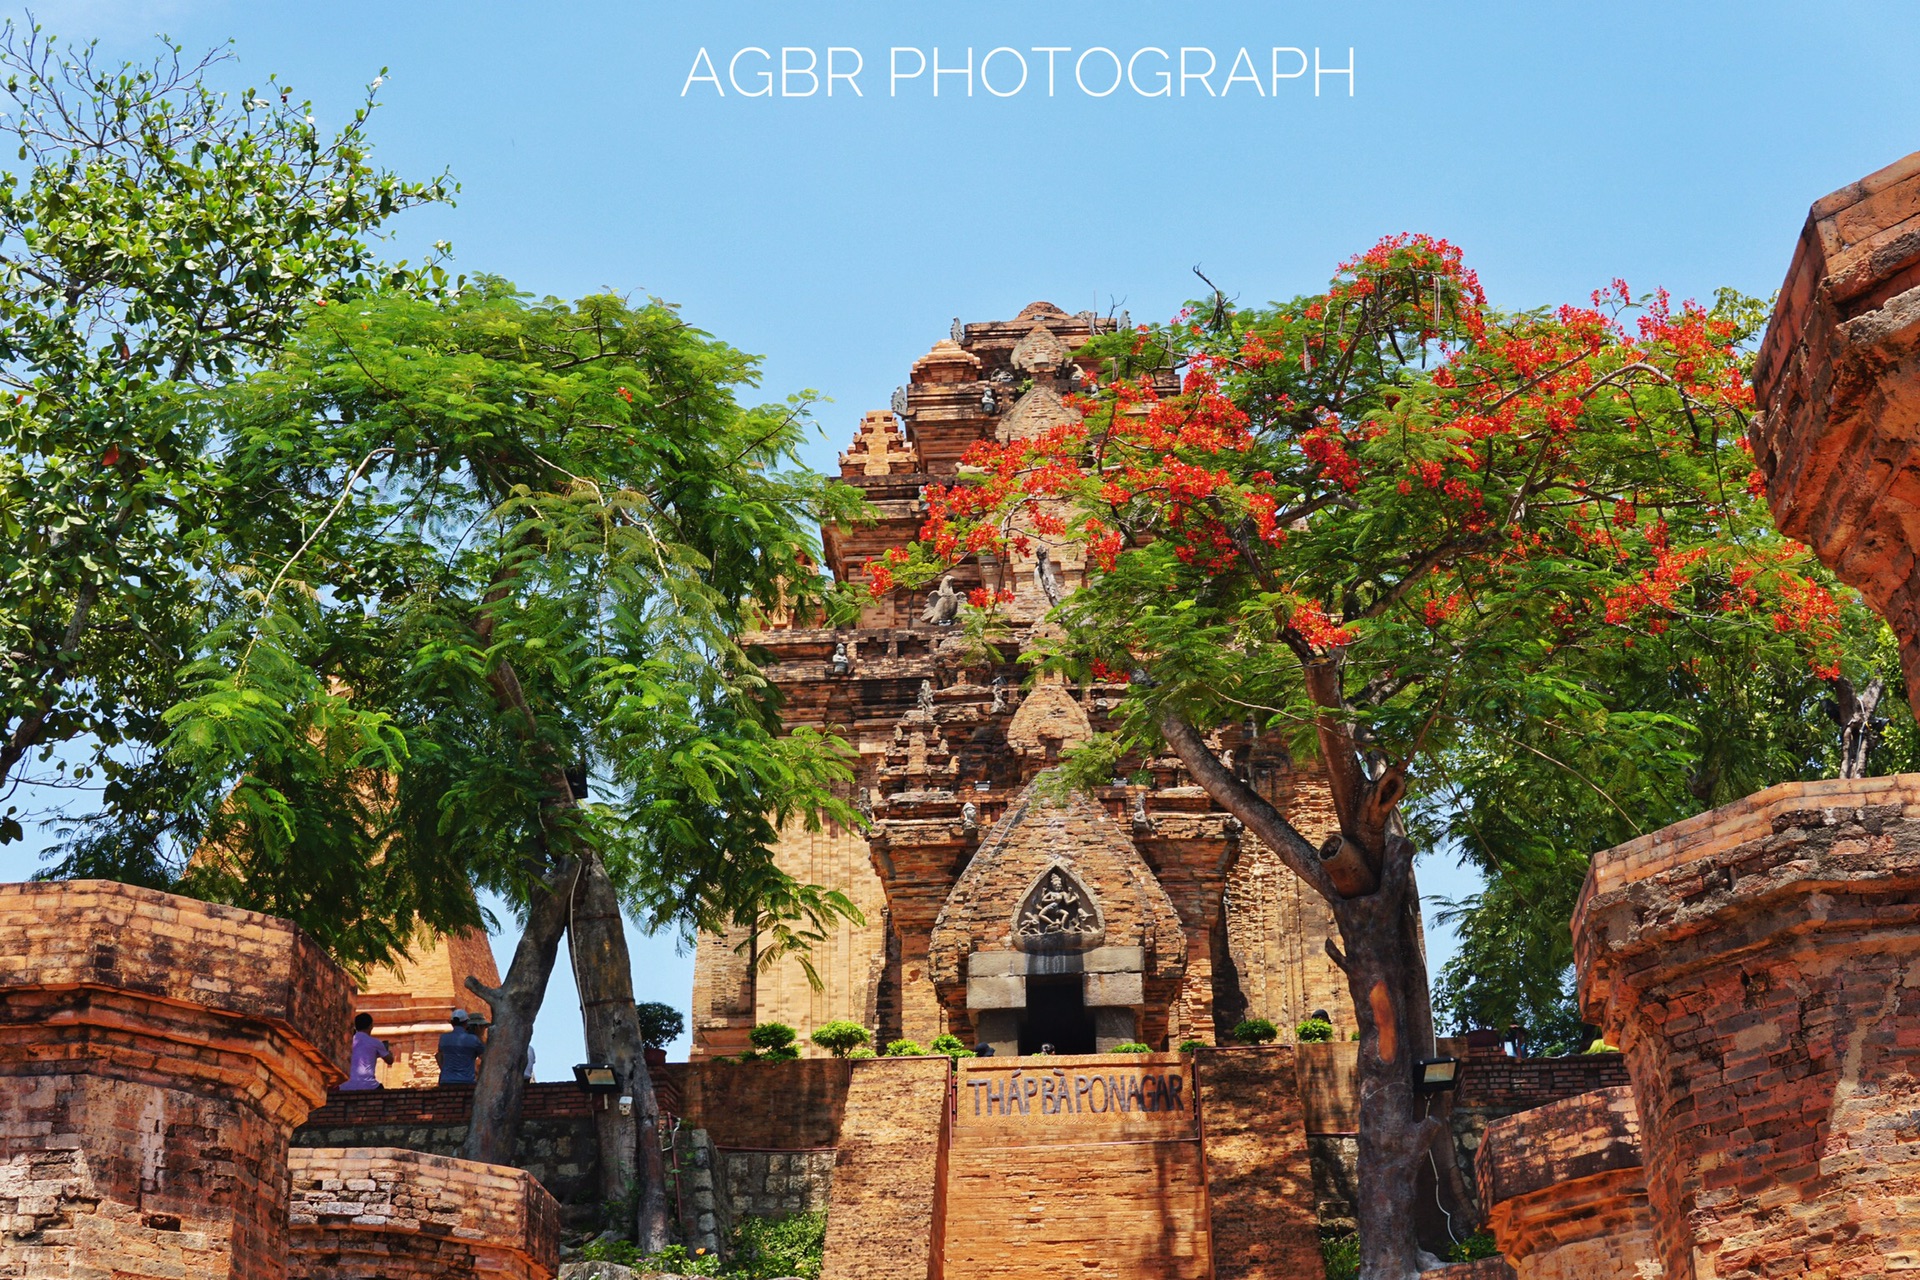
[1392, 525]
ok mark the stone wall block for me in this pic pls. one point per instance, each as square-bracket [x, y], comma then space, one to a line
[380, 1213]
[155, 1054]
[1759, 966]
[1564, 1191]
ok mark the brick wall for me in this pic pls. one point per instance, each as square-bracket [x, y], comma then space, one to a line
[384, 1214]
[1564, 1191]
[885, 1222]
[558, 1145]
[1084, 1166]
[1260, 1182]
[155, 1052]
[1760, 967]
[766, 1105]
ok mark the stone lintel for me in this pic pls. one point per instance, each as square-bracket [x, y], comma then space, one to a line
[380, 1213]
[1114, 990]
[1004, 992]
[994, 964]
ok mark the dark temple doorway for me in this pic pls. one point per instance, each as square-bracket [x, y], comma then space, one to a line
[1056, 1014]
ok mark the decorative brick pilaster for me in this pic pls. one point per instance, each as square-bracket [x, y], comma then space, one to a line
[155, 1054]
[1564, 1191]
[380, 1213]
[1760, 967]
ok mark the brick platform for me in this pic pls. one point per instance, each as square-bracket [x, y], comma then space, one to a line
[377, 1213]
[1837, 376]
[155, 1053]
[1760, 967]
[1564, 1191]
[1260, 1192]
[885, 1222]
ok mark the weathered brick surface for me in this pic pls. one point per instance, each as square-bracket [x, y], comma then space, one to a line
[1076, 1165]
[885, 1222]
[767, 1105]
[155, 1053]
[1260, 1182]
[558, 1144]
[1760, 967]
[371, 1213]
[1484, 1269]
[1564, 1191]
[1836, 378]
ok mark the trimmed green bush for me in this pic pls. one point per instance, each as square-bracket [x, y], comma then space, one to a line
[660, 1024]
[951, 1045]
[772, 1035]
[1314, 1031]
[864, 1051]
[840, 1038]
[904, 1049]
[1132, 1046]
[1188, 1046]
[1255, 1031]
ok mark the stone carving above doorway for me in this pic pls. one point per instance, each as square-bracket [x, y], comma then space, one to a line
[1058, 913]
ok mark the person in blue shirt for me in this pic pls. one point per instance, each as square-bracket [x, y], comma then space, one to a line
[459, 1052]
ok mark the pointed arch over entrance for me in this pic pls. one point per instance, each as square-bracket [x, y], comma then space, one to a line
[1058, 913]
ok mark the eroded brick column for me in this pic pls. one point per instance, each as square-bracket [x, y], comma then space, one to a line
[380, 1213]
[155, 1054]
[1564, 1192]
[1760, 967]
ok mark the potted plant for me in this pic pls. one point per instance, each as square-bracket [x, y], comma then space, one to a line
[660, 1025]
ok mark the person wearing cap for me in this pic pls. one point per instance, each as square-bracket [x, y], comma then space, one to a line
[459, 1051]
[365, 1053]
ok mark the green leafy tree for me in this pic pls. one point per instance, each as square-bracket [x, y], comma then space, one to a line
[1255, 1031]
[156, 236]
[1392, 528]
[660, 1024]
[840, 1037]
[496, 555]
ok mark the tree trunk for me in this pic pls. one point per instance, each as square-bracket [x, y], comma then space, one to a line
[605, 971]
[1854, 712]
[494, 1128]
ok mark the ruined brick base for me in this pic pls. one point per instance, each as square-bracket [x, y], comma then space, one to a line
[1760, 967]
[372, 1213]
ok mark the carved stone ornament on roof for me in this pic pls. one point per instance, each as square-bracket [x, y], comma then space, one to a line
[1058, 913]
[1038, 411]
[1040, 352]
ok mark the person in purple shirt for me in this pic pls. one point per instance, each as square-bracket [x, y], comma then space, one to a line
[366, 1051]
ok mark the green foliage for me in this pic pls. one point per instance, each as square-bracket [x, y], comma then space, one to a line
[769, 1248]
[772, 1035]
[677, 1260]
[951, 1045]
[1314, 1031]
[498, 551]
[1188, 1046]
[904, 1049]
[1340, 1255]
[159, 236]
[1132, 1046]
[660, 1024]
[620, 1252]
[862, 1053]
[1254, 1031]
[1480, 1244]
[1600, 1045]
[841, 1037]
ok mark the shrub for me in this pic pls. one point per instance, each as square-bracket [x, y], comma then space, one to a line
[951, 1045]
[1314, 1031]
[1601, 1046]
[772, 1035]
[840, 1038]
[1341, 1257]
[660, 1024]
[1132, 1046]
[865, 1051]
[620, 1252]
[1188, 1046]
[674, 1260]
[785, 1053]
[1480, 1244]
[904, 1049]
[766, 1248]
[1255, 1031]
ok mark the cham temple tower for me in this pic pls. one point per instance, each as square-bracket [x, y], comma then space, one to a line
[994, 910]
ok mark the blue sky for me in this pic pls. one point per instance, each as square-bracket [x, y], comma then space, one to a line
[1560, 144]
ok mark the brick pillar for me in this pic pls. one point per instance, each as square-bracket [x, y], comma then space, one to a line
[1564, 1191]
[380, 1213]
[921, 1017]
[155, 1054]
[1760, 967]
